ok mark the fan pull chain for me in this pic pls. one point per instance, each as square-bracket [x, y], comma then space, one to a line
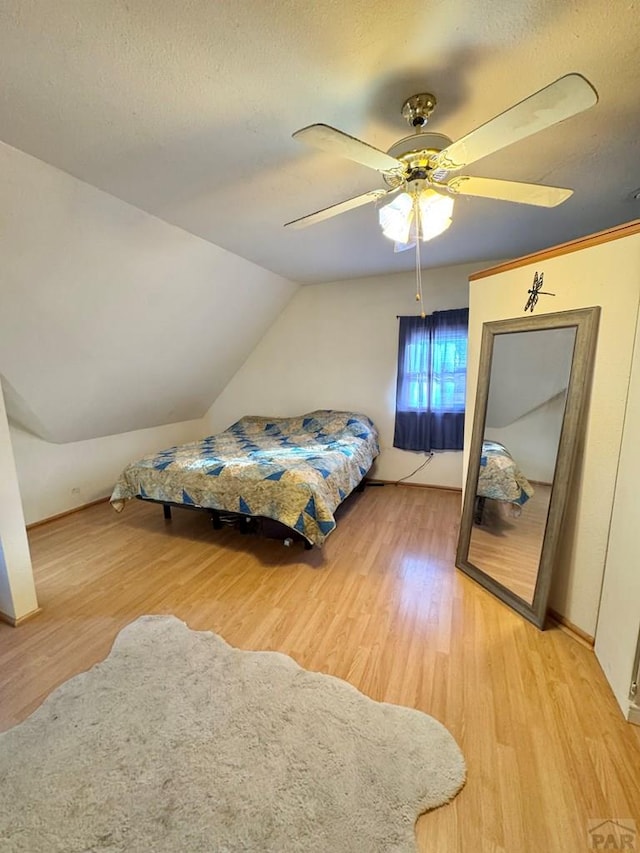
[416, 219]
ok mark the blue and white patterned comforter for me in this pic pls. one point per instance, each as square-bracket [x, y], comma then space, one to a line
[499, 477]
[294, 470]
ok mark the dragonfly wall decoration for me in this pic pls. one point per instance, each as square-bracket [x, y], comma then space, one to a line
[535, 291]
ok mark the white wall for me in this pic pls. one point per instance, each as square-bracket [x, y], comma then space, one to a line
[57, 477]
[619, 618]
[112, 320]
[17, 590]
[335, 346]
[607, 275]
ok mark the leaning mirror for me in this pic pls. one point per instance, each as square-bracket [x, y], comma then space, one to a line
[533, 381]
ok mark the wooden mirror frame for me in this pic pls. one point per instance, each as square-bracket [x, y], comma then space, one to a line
[585, 321]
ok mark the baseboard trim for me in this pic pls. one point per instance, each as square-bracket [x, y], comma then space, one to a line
[11, 620]
[569, 628]
[415, 485]
[66, 512]
[634, 715]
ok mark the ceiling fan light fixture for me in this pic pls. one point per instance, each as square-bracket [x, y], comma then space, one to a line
[430, 215]
[396, 217]
[436, 211]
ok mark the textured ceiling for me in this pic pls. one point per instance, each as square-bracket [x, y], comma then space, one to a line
[186, 110]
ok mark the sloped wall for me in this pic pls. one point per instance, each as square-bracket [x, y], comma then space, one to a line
[527, 371]
[533, 439]
[111, 320]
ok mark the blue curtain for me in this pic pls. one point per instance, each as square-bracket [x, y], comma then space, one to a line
[432, 371]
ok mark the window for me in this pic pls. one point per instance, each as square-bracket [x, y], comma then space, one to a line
[432, 369]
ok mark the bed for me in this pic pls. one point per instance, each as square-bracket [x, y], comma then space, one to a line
[294, 471]
[500, 479]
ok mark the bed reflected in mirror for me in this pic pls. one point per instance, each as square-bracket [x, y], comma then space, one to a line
[532, 392]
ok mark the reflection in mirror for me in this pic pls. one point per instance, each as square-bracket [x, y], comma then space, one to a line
[531, 399]
[525, 408]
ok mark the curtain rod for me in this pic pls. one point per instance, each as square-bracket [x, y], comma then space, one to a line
[400, 316]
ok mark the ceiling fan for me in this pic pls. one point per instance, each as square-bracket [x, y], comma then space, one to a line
[419, 169]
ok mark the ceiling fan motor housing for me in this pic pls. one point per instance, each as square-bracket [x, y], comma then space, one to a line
[415, 152]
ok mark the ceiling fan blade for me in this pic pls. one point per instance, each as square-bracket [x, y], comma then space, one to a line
[334, 141]
[335, 209]
[566, 97]
[537, 194]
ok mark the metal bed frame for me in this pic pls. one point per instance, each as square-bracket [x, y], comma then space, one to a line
[246, 524]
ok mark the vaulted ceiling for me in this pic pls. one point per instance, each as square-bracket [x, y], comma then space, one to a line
[186, 109]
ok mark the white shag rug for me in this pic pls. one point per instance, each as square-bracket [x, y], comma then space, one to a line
[178, 742]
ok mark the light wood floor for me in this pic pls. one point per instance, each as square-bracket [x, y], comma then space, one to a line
[508, 547]
[382, 606]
